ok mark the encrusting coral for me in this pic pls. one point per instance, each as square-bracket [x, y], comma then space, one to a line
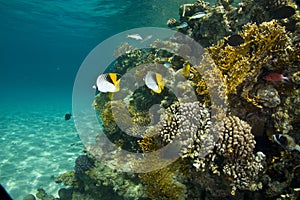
[286, 117]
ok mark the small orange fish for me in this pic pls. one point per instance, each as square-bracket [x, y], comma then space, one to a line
[275, 77]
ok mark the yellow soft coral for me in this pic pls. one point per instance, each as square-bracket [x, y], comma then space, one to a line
[162, 185]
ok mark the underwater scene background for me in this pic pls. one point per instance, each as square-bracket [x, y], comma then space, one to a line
[254, 48]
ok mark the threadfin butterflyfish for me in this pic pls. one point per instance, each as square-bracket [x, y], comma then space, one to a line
[154, 81]
[107, 83]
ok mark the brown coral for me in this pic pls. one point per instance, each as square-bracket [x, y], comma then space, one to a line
[266, 46]
[236, 140]
[162, 184]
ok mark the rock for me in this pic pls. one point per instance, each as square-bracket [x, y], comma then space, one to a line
[29, 197]
[65, 194]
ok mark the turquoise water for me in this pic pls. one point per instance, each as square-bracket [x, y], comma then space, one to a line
[43, 44]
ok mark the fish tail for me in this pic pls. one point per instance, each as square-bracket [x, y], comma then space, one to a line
[285, 79]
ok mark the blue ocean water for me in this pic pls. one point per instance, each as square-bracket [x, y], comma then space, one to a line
[43, 44]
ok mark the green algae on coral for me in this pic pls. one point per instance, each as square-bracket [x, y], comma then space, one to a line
[162, 184]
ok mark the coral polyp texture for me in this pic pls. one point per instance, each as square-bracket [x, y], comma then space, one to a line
[165, 183]
[235, 139]
[190, 124]
[233, 156]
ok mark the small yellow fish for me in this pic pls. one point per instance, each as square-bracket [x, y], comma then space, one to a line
[154, 81]
[186, 70]
[107, 83]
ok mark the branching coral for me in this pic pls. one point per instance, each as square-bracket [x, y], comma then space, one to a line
[163, 184]
[236, 140]
[244, 173]
[266, 46]
[188, 124]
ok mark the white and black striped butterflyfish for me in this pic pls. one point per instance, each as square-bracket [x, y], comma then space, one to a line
[108, 83]
[154, 81]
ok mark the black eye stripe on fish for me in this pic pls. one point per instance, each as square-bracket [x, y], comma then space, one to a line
[110, 78]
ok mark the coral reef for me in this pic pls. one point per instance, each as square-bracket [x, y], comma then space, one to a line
[68, 179]
[223, 19]
[236, 140]
[287, 116]
[124, 185]
[41, 194]
[235, 158]
[100, 182]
